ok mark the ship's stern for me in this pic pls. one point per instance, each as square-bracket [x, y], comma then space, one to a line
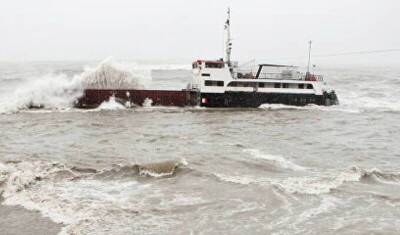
[330, 98]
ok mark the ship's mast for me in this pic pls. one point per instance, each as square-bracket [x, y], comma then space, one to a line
[309, 56]
[228, 44]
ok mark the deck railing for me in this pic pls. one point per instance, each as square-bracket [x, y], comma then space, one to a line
[278, 76]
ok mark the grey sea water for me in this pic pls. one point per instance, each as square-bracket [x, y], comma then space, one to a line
[158, 170]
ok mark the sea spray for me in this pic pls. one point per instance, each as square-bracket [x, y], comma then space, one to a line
[60, 92]
[50, 91]
[111, 75]
[111, 104]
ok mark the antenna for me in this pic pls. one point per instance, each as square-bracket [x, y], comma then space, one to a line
[228, 44]
[309, 56]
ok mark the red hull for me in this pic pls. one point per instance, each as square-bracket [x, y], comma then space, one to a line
[94, 97]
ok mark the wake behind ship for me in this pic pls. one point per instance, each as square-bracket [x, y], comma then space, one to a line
[222, 83]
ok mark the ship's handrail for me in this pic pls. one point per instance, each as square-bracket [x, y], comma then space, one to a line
[278, 76]
[312, 77]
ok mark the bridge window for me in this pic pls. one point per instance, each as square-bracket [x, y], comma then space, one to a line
[213, 83]
[215, 65]
[277, 85]
[285, 85]
[301, 86]
[261, 84]
[310, 86]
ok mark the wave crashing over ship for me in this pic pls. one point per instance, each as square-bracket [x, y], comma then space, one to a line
[113, 76]
[60, 91]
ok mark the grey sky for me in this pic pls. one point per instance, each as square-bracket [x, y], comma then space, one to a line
[277, 31]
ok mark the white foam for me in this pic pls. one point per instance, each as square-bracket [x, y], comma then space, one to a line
[60, 92]
[327, 204]
[83, 204]
[317, 184]
[279, 107]
[242, 179]
[183, 162]
[314, 184]
[274, 159]
[50, 91]
[155, 174]
[111, 104]
[333, 108]
[147, 103]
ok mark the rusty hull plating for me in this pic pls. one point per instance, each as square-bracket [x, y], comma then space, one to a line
[92, 98]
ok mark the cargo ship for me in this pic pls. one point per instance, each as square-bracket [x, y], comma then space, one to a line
[222, 83]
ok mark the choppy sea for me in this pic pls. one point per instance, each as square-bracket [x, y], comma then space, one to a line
[160, 170]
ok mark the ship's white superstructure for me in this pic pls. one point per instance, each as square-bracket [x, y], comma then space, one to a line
[224, 83]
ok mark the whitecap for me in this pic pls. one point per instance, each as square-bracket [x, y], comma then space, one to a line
[241, 179]
[274, 159]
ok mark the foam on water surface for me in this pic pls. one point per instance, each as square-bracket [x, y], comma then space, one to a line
[83, 198]
[274, 159]
[277, 169]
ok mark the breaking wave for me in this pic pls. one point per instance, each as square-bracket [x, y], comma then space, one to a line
[50, 91]
[316, 184]
[110, 75]
[111, 104]
[74, 196]
[60, 91]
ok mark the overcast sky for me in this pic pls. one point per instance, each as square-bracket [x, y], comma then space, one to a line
[269, 30]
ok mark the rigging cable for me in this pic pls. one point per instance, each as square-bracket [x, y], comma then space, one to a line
[358, 53]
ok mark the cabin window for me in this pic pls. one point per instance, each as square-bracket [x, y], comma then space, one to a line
[285, 85]
[213, 83]
[206, 75]
[309, 86]
[194, 65]
[242, 84]
[214, 65]
[301, 86]
[277, 85]
[261, 84]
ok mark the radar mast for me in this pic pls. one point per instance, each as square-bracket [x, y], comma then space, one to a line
[228, 44]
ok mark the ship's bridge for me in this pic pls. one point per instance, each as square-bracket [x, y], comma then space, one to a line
[211, 64]
[210, 75]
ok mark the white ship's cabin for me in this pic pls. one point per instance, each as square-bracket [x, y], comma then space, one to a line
[210, 75]
[217, 77]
